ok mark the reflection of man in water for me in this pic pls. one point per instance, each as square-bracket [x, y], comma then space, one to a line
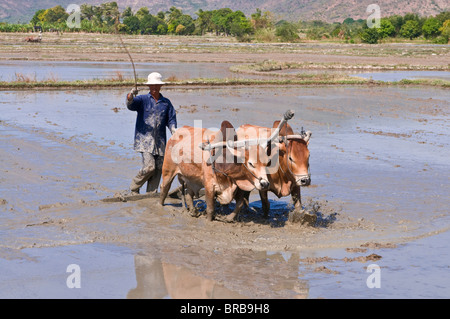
[154, 114]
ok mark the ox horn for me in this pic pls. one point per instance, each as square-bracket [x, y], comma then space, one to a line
[248, 142]
[305, 136]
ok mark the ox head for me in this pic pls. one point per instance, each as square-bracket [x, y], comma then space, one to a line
[237, 162]
[244, 151]
[295, 158]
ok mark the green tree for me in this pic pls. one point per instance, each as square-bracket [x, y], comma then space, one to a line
[443, 16]
[87, 11]
[132, 23]
[171, 28]
[386, 28]
[348, 21]
[148, 24]
[445, 30]
[287, 32]
[109, 12]
[262, 20]
[187, 21]
[161, 15]
[56, 14]
[430, 28]
[127, 12]
[173, 14]
[411, 29]
[204, 21]
[237, 24]
[142, 13]
[370, 35]
[219, 20]
[411, 16]
[175, 18]
[397, 22]
[36, 18]
[162, 28]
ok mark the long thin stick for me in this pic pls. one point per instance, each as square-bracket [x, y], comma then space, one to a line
[126, 50]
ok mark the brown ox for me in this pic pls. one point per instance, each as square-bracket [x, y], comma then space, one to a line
[220, 170]
[292, 170]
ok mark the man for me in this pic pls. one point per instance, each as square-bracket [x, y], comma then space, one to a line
[154, 114]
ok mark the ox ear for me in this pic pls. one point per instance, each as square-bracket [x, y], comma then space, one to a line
[228, 157]
[276, 146]
[225, 133]
[285, 130]
[279, 144]
[228, 131]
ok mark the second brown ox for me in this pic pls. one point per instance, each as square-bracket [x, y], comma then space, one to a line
[290, 173]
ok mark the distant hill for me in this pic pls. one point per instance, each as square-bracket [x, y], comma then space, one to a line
[294, 10]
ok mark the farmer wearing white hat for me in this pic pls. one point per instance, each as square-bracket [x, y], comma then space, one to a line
[154, 114]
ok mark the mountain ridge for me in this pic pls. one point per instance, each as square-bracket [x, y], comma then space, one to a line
[294, 10]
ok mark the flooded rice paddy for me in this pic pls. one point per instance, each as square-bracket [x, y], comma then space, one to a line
[78, 70]
[88, 70]
[394, 76]
[380, 185]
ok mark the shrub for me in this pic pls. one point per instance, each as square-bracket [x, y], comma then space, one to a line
[386, 28]
[440, 40]
[445, 29]
[431, 27]
[370, 35]
[265, 35]
[287, 32]
[180, 29]
[410, 29]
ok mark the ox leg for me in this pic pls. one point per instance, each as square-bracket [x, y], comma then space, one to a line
[165, 187]
[247, 199]
[190, 203]
[241, 199]
[300, 215]
[183, 194]
[209, 198]
[265, 203]
[296, 198]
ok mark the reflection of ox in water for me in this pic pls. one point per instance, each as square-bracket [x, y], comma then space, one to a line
[157, 279]
[225, 167]
[292, 169]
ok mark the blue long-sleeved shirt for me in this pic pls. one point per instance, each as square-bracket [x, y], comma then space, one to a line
[152, 119]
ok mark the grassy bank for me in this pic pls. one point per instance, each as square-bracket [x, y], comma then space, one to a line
[270, 67]
[98, 84]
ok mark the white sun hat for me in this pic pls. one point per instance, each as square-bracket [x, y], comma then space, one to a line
[154, 78]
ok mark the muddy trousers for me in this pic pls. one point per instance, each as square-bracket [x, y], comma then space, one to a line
[150, 172]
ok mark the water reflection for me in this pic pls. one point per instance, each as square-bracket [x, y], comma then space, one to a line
[234, 274]
[83, 70]
[157, 279]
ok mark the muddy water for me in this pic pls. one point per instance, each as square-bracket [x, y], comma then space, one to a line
[79, 70]
[379, 164]
[393, 76]
[84, 70]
